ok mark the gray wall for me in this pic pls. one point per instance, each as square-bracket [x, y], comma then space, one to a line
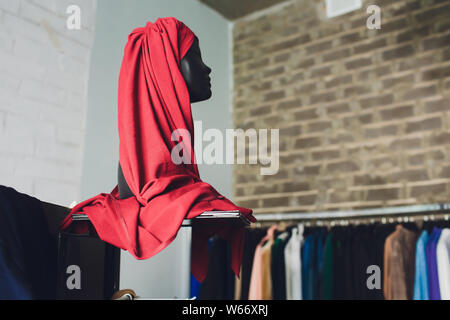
[166, 274]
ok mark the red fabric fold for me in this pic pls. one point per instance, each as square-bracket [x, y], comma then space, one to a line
[153, 101]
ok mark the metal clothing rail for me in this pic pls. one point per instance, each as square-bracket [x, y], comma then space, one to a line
[438, 208]
[207, 216]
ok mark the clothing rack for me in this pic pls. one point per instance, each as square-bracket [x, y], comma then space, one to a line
[388, 214]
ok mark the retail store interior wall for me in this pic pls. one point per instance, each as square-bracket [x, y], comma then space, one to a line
[363, 114]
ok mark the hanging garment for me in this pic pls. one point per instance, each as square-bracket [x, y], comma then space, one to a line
[432, 269]
[421, 274]
[326, 283]
[255, 287]
[308, 267]
[293, 264]
[219, 283]
[274, 269]
[399, 264]
[260, 281]
[443, 263]
[153, 103]
[381, 232]
[318, 264]
[267, 290]
[28, 252]
[387, 280]
[278, 267]
[194, 287]
[343, 263]
[362, 257]
[252, 238]
[238, 287]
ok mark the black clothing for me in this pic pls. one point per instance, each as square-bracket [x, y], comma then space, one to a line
[252, 238]
[219, 283]
[28, 251]
[278, 270]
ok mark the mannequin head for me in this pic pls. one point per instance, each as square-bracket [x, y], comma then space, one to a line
[196, 74]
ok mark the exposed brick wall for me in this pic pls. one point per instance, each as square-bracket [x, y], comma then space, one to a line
[364, 115]
[44, 69]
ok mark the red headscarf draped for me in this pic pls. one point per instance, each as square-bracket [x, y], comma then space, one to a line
[154, 101]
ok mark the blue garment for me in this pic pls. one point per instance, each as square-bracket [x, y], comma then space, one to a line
[433, 278]
[320, 244]
[421, 273]
[308, 268]
[12, 284]
[195, 287]
[320, 239]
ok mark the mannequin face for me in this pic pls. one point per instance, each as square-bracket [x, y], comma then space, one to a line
[196, 74]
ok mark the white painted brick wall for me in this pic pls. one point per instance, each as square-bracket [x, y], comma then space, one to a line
[44, 70]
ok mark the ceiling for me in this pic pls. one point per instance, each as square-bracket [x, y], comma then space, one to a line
[234, 9]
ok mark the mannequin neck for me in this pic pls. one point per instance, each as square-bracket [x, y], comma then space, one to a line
[124, 189]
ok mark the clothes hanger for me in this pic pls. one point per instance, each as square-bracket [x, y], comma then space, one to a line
[269, 235]
[282, 226]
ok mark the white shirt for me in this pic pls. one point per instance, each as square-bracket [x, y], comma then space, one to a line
[443, 263]
[293, 266]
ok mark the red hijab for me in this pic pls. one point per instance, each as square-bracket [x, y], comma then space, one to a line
[154, 101]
